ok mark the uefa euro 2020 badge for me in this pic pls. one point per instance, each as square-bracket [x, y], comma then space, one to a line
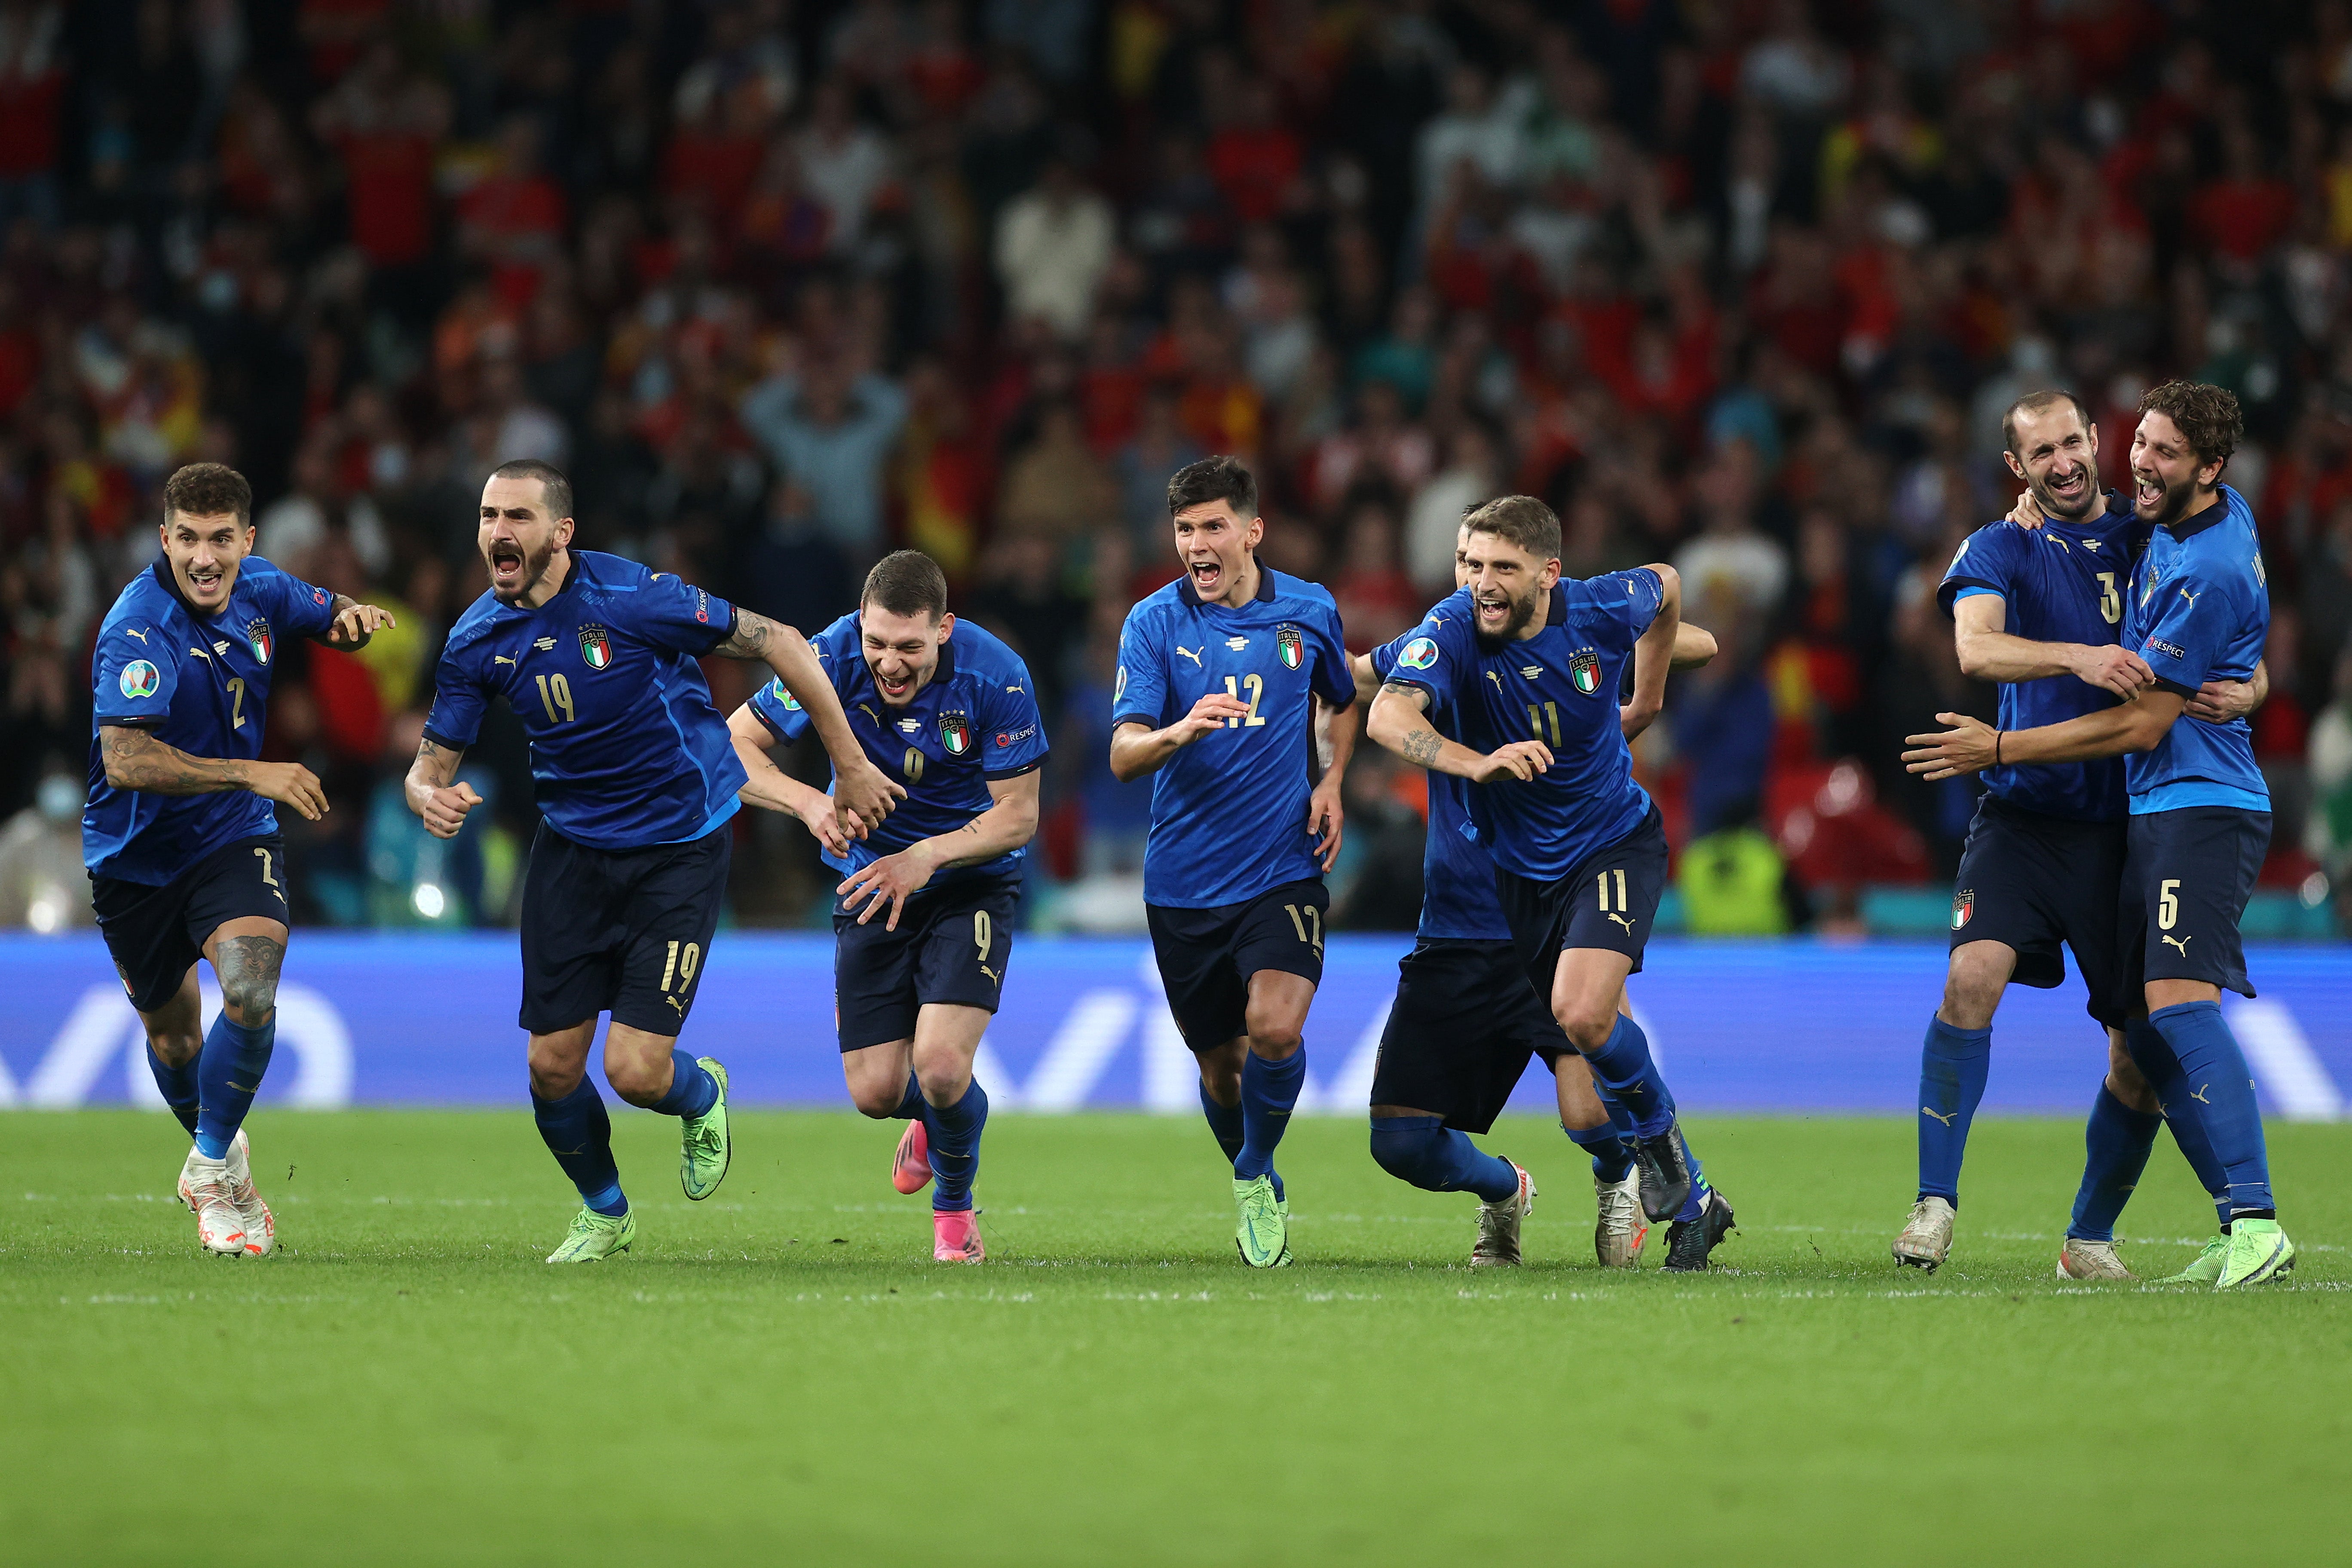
[139, 678]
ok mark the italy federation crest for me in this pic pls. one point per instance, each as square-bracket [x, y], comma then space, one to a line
[1964, 904]
[256, 632]
[1584, 668]
[596, 647]
[1289, 648]
[955, 733]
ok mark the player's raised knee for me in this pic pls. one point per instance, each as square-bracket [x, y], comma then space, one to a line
[1276, 1038]
[247, 967]
[1973, 984]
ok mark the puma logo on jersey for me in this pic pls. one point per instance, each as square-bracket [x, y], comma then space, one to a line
[134, 632]
[1188, 653]
[870, 713]
[200, 653]
[2197, 1094]
[991, 974]
[497, 658]
[2180, 943]
[676, 1004]
[2188, 596]
[1496, 679]
[1939, 1116]
[1620, 919]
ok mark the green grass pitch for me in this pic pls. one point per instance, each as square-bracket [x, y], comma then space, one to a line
[781, 1374]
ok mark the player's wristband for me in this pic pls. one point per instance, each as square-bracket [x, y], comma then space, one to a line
[1996, 748]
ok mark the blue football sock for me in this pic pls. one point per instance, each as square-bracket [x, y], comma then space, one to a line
[1623, 1067]
[954, 1135]
[228, 1072]
[1694, 1204]
[2162, 1070]
[1953, 1064]
[1612, 1155]
[1225, 1123]
[2221, 1097]
[692, 1088]
[579, 1134]
[910, 1104]
[2117, 1140]
[1435, 1158]
[1269, 1090]
[179, 1087]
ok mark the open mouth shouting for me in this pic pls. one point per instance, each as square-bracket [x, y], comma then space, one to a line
[2070, 493]
[509, 570]
[1208, 576]
[1494, 611]
[2150, 495]
[895, 685]
[206, 581]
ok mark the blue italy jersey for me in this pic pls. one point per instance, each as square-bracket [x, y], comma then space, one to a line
[2058, 583]
[625, 748]
[2199, 610]
[975, 720]
[1457, 874]
[1229, 811]
[1558, 687]
[202, 684]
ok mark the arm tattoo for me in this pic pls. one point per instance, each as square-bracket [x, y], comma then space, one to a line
[1416, 695]
[1421, 748]
[136, 759]
[749, 637]
[437, 762]
[247, 967]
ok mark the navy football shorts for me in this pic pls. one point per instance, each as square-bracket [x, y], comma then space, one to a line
[1459, 1036]
[620, 931]
[953, 941]
[1207, 956]
[2038, 884]
[1609, 902]
[2186, 877]
[156, 934]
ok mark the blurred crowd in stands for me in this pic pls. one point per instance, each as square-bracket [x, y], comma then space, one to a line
[1743, 285]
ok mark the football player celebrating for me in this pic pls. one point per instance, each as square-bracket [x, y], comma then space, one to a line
[1219, 675]
[2197, 607]
[1466, 1023]
[181, 836]
[1529, 667]
[636, 782]
[923, 927]
[2038, 609]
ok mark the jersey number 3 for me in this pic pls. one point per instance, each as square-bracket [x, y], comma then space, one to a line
[2111, 603]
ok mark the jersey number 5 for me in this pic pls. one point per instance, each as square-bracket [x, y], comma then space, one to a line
[2111, 603]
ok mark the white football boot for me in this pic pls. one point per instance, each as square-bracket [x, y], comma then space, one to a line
[260, 1225]
[1926, 1237]
[2080, 1259]
[1623, 1228]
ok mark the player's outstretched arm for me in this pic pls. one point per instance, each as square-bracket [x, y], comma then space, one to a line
[1136, 751]
[430, 794]
[1367, 680]
[1971, 745]
[1990, 653]
[1327, 812]
[1008, 823]
[1694, 646]
[770, 787]
[1654, 654]
[863, 795]
[1400, 721]
[355, 623]
[136, 759]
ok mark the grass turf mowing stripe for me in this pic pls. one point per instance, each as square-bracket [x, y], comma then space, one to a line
[782, 1371]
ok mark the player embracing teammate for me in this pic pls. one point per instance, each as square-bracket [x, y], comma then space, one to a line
[2195, 609]
[1527, 667]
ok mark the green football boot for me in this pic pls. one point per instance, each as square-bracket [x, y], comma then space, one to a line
[596, 1237]
[2205, 1267]
[705, 1146]
[2259, 1250]
[1261, 1232]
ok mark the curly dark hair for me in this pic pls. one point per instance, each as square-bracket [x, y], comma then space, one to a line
[2207, 414]
[207, 490]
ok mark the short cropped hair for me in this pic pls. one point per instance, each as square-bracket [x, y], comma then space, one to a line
[2038, 403]
[207, 490]
[555, 490]
[907, 582]
[1523, 520]
[2207, 414]
[1214, 480]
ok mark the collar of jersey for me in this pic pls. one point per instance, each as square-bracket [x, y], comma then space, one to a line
[1555, 619]
[2185, 531]
[553, 599]
[1192, 595]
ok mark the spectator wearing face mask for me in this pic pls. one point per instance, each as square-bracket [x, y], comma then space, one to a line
[42, 885]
